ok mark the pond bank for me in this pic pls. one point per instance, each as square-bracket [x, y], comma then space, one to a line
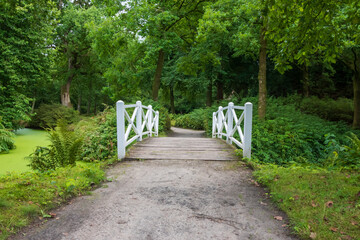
[26, 141]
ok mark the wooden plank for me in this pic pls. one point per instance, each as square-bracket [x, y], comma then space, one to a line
[184, 146]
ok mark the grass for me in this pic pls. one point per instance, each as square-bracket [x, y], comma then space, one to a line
[26, 141]
[321, 204]
[25, 196]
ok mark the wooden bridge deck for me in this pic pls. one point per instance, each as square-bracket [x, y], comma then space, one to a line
[182, 144]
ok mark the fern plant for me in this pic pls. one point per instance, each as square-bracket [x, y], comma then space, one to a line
[64, 149]
[65, 145]
[6, 139]
[352, 156]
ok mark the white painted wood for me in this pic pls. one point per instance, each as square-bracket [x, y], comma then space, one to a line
[139, 120]
[120, 125]
[223, 125]
[247, 130]
[136, 122]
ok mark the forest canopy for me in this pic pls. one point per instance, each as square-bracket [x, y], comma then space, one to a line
[183, 54]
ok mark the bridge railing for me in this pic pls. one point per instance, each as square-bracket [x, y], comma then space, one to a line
[143, 121]
[228, 124]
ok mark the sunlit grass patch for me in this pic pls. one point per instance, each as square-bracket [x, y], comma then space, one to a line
[25, 196]
[321, 204]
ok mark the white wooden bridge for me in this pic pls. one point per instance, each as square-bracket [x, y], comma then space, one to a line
[183, 144]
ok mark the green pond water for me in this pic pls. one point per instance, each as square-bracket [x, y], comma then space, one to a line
[26, 141]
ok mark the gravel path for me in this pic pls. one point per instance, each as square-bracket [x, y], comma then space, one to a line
[168, 199]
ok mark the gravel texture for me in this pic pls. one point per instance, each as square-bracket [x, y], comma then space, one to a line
[169, 200]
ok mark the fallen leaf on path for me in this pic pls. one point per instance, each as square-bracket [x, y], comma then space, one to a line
[284, 225]
[312, 235]
[53, 215]
[347, 237]
[262, 203]
[279, 218]
[333, 229]
[329, 203]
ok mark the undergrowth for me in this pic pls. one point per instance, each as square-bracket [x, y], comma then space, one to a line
[30, 195]
[320, 204]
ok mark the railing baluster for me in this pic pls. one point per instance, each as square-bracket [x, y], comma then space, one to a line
[229, 122]
[150, 120]
[120, 122]
[139, 120]
[221, 121]
[137, 125]
[247, 129]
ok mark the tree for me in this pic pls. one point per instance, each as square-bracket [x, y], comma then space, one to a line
[26, 32]
[73, 45]
[325, 29]
[164, 26]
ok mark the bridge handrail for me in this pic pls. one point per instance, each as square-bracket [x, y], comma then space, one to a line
[143, 116]
[223, 125]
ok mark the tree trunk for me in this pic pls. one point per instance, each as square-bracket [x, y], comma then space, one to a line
[95, 105]
[209, 94]
[157, 77]
[262, 75]
[356, 86]
[220, 91]
[79, 103]
[65, 89]
[306, 91]
[65, 93]
[172, 100]
[33, 105]
[88, 105]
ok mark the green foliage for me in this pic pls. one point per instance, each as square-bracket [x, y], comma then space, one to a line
[99, 134]
[193, 120]
[6, 139]
[341, 109]
[64, 149]
[26, 30]
[287, 135]
[29, 195]
[48, 115]
[315, 200]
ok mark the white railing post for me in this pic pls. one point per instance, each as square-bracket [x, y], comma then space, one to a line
[220, 121]
[214, 125]
[120, 124]
[247, 130]
[157, 123]
[150, 120]
[139, 119]
[229, 122]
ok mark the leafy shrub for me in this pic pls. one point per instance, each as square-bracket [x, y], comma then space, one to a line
[193, 120]
[99, 136]
[341, 109]
[100, 139]
[286, 136]
[6, 139]
[47, 116]
[64, 149]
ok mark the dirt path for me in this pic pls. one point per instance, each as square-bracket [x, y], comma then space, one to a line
[169, 199]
